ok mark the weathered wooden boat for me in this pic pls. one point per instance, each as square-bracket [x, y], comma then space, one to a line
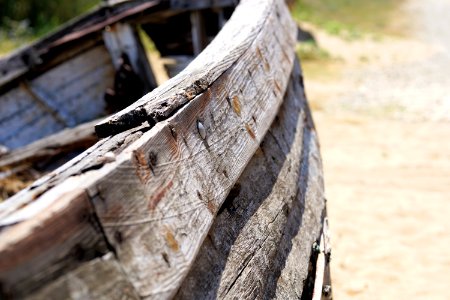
[210, 186]
[89, 68]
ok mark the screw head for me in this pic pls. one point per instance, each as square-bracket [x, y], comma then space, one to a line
[316, 248]
[326, 290]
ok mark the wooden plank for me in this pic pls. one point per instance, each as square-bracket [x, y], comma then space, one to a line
[201, 4]
[38, 250]
[82, 29]
[27, 203]
[67, 95]
[82, 136]
[157, 198]
[201, 151]
[229, 45]
[197, 32]
[327, 292]
[259, 246]
[101, 278]
[122, 38]
[320, 271]
[18, 112]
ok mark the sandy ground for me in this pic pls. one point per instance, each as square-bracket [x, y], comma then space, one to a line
[382, 111]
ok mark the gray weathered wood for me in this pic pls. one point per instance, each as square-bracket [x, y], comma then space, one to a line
[201, 4]
[153, 192]
[101, 278]
[53, 49]
[122, 38]
[260, 243]
[66, 95]
[62, 236]
[81, 136]
[198, 32]
[229, 45]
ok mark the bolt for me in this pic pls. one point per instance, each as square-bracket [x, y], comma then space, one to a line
[326, 291]
[316, 248]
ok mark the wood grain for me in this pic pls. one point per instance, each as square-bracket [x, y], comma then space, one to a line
[156, 199]
[260, 243]
[67, 95]
[224, 51]
[123, 38]
[36, 251]
[101, 278]
[81, 136]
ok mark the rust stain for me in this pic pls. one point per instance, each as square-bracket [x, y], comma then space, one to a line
[236, 105]
[250, 131]
[142, 170]
[259, 53]
[171, 241]
[277, 86]
[154, 200]
[266, 66]
[263, 59]
[211, 207]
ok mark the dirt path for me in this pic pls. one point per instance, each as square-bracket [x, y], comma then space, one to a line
[383, 116]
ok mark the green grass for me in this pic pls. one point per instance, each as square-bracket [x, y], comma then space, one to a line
[23, 21]
[348, 18]
[310, 51]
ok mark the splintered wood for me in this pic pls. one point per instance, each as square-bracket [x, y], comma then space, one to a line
[204, 201]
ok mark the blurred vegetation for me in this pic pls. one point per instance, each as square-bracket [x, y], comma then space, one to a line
[309, 50]
[22, 21]
[347, 18]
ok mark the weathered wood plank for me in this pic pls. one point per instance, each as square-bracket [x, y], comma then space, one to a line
[101, 278]
[82, 29]
[198, 32]
[13, 211]
[36, 251]
[200, 4]
[260, 243]
[157, 198]
[194, 158]
[81, 136]
[67, 95]
[122, 38]
[229, 45]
